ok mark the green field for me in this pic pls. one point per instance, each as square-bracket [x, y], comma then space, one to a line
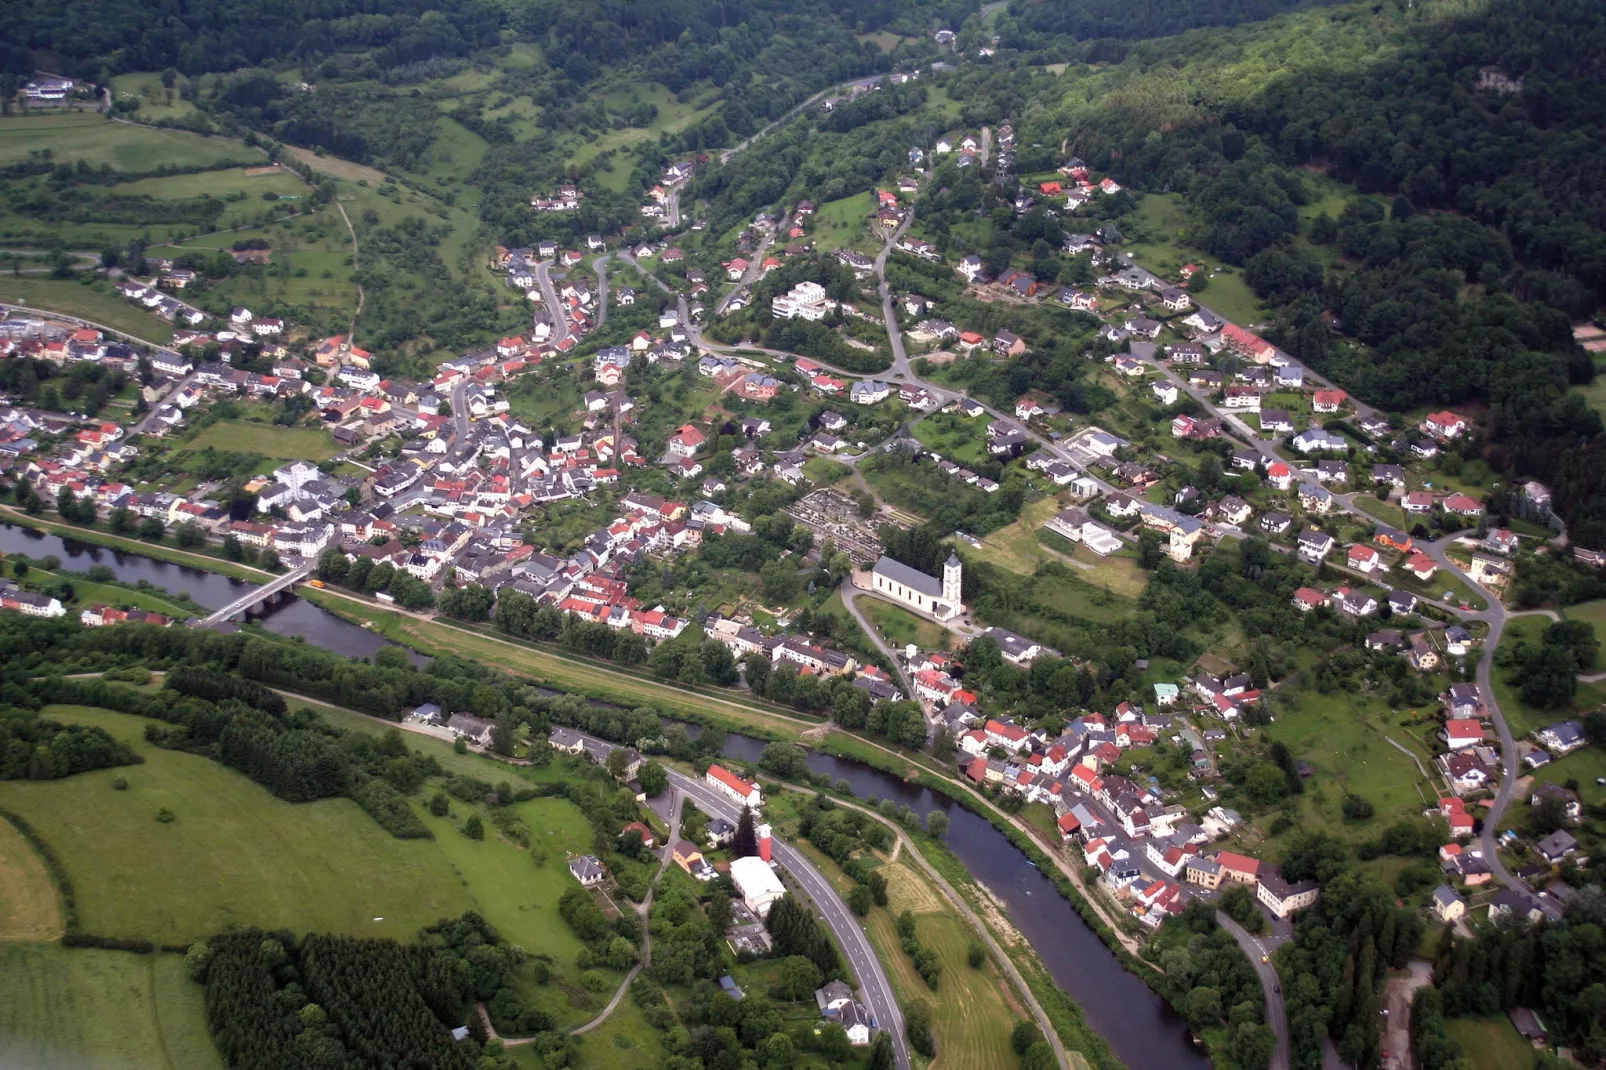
[1157, 245]
[673, 116]
[311, 267]
[235, 855]
[106, 1010]
[89, 137]
[147, 88]
[1342, 737]
[900, 627]
[1490, 1043]
[1522, 717]
[96, 302]
[30, 907]
[270, 440]
[844, 223]
[219, 185]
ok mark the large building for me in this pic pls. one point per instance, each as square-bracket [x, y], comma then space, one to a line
[925, 594]
[733, 787]
[757, 883]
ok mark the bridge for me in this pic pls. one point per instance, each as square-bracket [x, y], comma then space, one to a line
[257, 595]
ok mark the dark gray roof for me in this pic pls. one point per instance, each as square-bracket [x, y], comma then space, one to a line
[915, 580]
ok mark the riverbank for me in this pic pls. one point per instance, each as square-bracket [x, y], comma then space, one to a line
[156, 551]
[1003, 876]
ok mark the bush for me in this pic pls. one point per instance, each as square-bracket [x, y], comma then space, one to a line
[165, 816]
[474, 828]
[1357, 808]
[976, 956]
[382, 802]
[120, 783]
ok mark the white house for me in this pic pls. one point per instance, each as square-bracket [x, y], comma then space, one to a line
[733, 787]
[757, 883]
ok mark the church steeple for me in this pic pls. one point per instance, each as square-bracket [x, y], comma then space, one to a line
[952, 574]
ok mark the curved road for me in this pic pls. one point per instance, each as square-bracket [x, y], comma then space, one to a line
[1256, 947]
[873, 984]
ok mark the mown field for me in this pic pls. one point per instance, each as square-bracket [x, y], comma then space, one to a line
[100, 1010]
[30, 908]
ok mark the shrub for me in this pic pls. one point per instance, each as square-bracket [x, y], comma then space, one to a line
[165, 816]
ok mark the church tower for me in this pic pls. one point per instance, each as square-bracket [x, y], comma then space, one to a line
[950, 581]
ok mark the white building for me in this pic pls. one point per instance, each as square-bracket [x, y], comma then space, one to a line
[757, 883]
[733, 787]
[899, 583]
[806, 300]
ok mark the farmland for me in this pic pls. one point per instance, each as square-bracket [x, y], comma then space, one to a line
[100, 1009]
[30, 909]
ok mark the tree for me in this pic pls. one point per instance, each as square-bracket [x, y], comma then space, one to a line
[917, 1026]
[976, 956]
[1024, 1035]
[860, 900]
[121, 522]
[190, 535]
[439, 804]
[618, 763]
[151, 529]
[745, 843]
[654, 781]
[504, 736]
[1203, 1007]
[474, 828]
[881, 1053]
[937, 824]
[1038, 1057]
[798, 979]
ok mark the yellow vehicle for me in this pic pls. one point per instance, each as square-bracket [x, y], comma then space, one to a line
[317, 583]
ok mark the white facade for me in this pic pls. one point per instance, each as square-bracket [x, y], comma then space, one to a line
[757, 883]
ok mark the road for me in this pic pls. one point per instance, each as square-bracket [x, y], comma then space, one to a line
[861, 957]
[600, 266]
[351, 331]
[850, 599]
[460, 409]
[1270, 985]
[560, 322]
[755, 267]
[741, 146]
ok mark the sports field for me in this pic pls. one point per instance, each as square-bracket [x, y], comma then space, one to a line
[100, 1010]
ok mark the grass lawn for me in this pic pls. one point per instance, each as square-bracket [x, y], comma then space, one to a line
[87, 593]
[673, 116]
[956, 438]
[89, 1008]
[87, 136]
[1593, 612]
[1378, 509]
[844, 223]
[248, 188]
[900, 627]
[824, 472]
[30, 909]
[270, 440]
[1490, 1043]
[235, 855]
[97, 302]
[146, 86]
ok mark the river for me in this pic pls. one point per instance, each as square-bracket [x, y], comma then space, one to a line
[291, 617]
[1141, 1028]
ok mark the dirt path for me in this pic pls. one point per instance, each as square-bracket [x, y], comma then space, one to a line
[1397, 1035]
[351, 331]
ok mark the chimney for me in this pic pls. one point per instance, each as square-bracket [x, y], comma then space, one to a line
[764, 842]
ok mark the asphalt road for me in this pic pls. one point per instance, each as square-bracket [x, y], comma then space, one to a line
[874, 989]
[560, 322]
[1255, 947]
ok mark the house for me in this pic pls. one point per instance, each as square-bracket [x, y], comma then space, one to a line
[757, 884]
[1364, 559]
[476, 730]
[1420, 565]
[1281, 897]
[1314, 545]
[686, 855]
[1444, 424]
[1306, 599]
[1532, 1029]
[1238, 868]
[733, 787]
[1563, 737]
[1509, 904]
[1465, 771]
[1328, 400]
[1463, 505]
[1463, 732]
[1557, 846]
[1569, 802]
[588, 870]
[1447, 904]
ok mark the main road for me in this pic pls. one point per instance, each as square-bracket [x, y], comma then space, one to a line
[873, 985]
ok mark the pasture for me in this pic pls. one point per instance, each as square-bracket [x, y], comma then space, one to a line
[74, 136]
[100, 1010]
[844, 224]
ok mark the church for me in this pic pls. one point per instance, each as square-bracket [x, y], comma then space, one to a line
[897, 582]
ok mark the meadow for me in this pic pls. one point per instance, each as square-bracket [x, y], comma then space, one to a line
[844, 224]
[30, 908]
[270, 440]
[96, 302]
[1490, 1043]
[900, 627]
[74, 136]
[100, 1010]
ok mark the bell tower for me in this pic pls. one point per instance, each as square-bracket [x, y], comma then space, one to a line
[951, 576]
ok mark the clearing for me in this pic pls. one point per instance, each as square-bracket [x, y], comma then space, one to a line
[1490, 1043]
[106, 1010]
